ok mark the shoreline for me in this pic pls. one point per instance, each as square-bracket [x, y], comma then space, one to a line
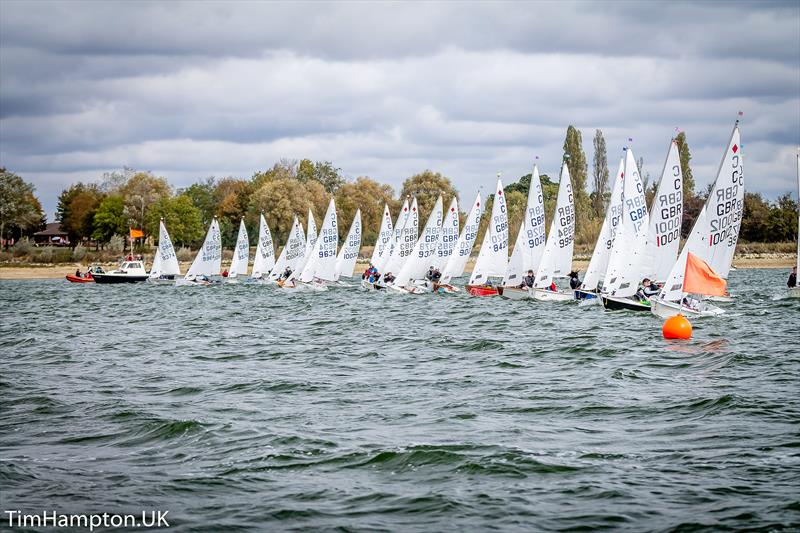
[18, 271]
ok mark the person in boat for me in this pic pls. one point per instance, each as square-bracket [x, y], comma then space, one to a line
[429, 273]
[286, 273]
[388, 278]
[792, 283]
[527, 280]
[370, 274]
[78, 273]
[574, 281]
[645, 290]
[225, 273]
[436, 276]
[689, 303]
[553, 287]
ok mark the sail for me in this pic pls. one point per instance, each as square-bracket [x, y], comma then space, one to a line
[406, 241]
[384, 235]
[529, 246]
[666, 217]
[699, 278]
[494, 249]
[348, 255]
[716, 230]
[515, 269]
[165, 262]
[798, 212]
[448, 236]
[264, 260]
[463, 248]
[321, 263]
[392, 247]
[292, 252]
[598, 264]
[209, 259]
[311, 238]
[241, 253]
[627, 252]
[424, 251]
[557, 256]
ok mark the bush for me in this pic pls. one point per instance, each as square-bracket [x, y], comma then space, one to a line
[184, 254]
[79, 253]
[22, 247]
[116, 244]
[43, 255]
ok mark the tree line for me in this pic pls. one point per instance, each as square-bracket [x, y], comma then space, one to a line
[97, 211]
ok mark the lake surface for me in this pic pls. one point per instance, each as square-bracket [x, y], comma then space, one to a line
[244, 408]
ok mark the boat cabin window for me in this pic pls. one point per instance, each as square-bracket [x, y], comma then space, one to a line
[131, 265]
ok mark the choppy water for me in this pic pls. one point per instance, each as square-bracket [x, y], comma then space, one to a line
[244, 408]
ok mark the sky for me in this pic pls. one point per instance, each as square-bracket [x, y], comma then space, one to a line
[382, 89]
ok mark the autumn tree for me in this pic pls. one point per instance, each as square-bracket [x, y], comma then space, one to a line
[77, 206]
[426, 188]
[19, 208]
[141, 191]
[369, 196]
[281, 199]
[686, 170]
[322, 171]
[284, 169]
[599, 173]
[232, 198]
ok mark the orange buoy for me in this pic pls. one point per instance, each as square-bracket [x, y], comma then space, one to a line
[677, 327]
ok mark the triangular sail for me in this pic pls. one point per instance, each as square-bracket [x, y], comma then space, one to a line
[208, 261]
[557, 256]
[348, 255]
[466, 240]
[165, 262]
[241, 253]
[424, 251]
[405, 243]
[448, 236]
[311, 239]
[530, 243]
[264, 260]
[598, 264]
[392, 247]
[627, 252]
[666, 216]
[384, 236]
[493, 256]
[321, 264]
[716, 230]
[292, 253]
[515, 269]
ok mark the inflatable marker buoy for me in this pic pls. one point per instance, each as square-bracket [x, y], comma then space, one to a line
[677, 327]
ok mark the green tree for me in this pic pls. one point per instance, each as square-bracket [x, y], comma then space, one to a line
[110, 219]
[182, 218]
[77, 206]
[686, 170]
[202, 196]
[426, 188]
[782, 221]
[20, 210]
[284, 169]
[578, 172]
[141, 191]
[369, 196]
[322, 171]
[599, 174]
[232, 197]
[755, 218]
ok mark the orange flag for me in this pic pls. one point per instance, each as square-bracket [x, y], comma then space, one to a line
[136, 233]
[699, 278]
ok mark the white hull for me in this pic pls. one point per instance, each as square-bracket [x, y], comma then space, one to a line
[193, 282]
[552, 296]
[666, 309]
[722, 299]
[794, 292]
[160, 281]
[515, 293]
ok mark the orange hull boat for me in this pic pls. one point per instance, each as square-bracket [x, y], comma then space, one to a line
[484, 290]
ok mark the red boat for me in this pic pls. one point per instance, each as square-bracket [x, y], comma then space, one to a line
[484, 290]
[76, 279]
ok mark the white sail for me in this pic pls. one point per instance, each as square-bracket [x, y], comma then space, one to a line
[165, 262]
[493, 256]
[241, 253]
[311, 239]
[208, 261]
[292, 253]
[405, 243]
[348, 255]
[392, 247]
[384, 235]
[264, 260]
[424, 251]
[448, 236]
[557, 256]
[598, 264]
[321, 264]
[716, 230]
[463, 248]
[666, 217]
[530, 243]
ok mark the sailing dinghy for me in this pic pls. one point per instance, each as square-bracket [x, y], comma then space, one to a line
[165, 264]
[320, 264]
[529, 246]
[292, 253]
[385, 234]
[208, 262]
[557, 255]
[241, 255]
[380, 260]
[410, 279]
[264, 261]
[405, 237]
[713, 237]
[493, 255]
[348, 255]
[463, 248]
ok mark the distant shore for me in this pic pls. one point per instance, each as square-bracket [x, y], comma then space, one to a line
[18, 271]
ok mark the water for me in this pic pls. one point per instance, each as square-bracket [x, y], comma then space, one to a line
[243, 408]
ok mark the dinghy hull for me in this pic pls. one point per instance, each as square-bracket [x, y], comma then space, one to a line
[794, 292]
[623, 304]
[515, 293]
[118, 278]
[581, 294]
[484, 290]
[552, 296]
[76, 279]
[664, 309]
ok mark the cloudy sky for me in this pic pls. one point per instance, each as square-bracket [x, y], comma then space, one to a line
[383, 89]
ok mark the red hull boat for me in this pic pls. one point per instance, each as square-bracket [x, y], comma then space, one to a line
[76, 279]
[484, 290]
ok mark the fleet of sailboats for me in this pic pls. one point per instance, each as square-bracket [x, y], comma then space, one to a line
[635, 244]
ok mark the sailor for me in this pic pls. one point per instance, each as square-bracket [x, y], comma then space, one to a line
[553, 287]
[792, 283]
[78, 273]
[436, 276]
[574, 280]
[429, 274]
[225, 273]
[646, 289]
[527, 281]
[286, 273]
[388, 278]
